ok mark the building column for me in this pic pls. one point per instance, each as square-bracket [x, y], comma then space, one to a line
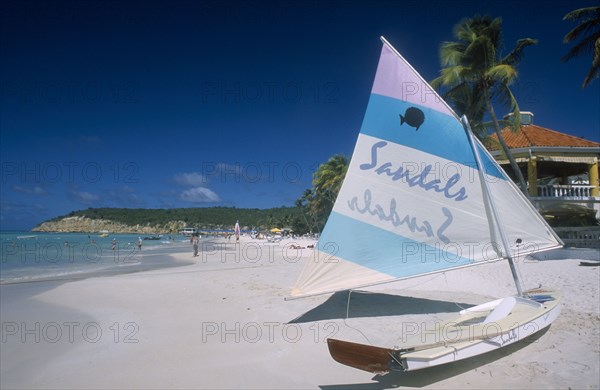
[593, 176]
[532, 175]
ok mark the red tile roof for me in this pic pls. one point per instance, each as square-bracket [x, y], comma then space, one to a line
[532, 135]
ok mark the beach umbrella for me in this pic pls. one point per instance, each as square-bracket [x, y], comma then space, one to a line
[275, 230]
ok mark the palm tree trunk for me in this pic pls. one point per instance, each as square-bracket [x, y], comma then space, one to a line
[305, 208]
[513, 163]
[304, 211]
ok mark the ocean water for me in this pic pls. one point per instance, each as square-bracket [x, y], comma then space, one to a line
[30, 256]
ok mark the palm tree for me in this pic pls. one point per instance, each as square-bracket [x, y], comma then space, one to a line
[303, 203]
[476, 75]
[589, 22]
[328, 179]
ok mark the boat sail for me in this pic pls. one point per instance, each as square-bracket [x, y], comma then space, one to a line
[421, 196]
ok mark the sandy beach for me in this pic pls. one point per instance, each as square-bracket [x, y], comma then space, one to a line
[223, 322]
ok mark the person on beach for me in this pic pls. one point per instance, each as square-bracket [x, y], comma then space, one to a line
[114, 244]
[140, 244]
[195, 241]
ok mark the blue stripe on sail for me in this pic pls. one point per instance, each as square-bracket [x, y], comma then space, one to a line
[439, 134]
[381, 250]
[490, 166]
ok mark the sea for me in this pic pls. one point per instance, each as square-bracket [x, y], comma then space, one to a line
[33, 256]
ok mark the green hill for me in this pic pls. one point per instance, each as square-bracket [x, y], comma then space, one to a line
[204, 218]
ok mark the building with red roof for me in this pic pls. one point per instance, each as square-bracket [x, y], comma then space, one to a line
[561, 170]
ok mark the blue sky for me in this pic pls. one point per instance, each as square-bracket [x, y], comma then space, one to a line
[162, 104]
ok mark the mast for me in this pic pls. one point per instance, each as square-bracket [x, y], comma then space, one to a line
[492, 208]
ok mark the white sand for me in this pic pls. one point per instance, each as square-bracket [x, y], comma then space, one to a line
[223, 323]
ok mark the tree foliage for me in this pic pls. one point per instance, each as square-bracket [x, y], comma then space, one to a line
[589, 23]
[476, 75]
[206, 218]
[317, 202]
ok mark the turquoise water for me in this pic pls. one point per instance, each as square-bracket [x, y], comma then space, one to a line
[30, 256]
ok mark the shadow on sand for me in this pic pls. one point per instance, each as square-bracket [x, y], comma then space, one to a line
[428, 376]
[367, 304]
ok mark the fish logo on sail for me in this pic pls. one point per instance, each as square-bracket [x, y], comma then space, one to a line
[412, 117]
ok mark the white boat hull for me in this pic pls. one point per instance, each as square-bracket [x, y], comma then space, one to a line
[478, 330]
[474, 347]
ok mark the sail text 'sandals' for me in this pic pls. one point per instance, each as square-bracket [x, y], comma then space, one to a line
[418, 180]
[391, 215]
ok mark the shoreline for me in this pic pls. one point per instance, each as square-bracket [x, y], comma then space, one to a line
[126, 262]
[104, 273]
[222, 322]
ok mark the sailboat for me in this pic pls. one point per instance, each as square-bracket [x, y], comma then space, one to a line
[423, 196]
[236, 230]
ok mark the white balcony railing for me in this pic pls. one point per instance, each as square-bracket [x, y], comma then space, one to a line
[565, 191]
[581, 237]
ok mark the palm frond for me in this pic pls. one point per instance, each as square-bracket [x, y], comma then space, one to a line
[595, 68]
[463, 31]
[502, 94]
[451, 53]
[586, 45]
[582, 13]
[517, 54]
[502, 73]
[589, 17]
[516, 123]
[480, 54]
[589, 23]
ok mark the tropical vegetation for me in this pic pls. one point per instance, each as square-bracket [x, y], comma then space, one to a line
[475, 75]
[204, 218]
[317, 202]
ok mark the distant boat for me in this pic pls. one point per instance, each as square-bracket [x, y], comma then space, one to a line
[32, 237]
[153, 237]
[104, 233]
[188, 231]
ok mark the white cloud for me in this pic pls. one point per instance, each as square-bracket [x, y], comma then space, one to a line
[84, 197]
[192, 179]
[199, 195]
[37, 190]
